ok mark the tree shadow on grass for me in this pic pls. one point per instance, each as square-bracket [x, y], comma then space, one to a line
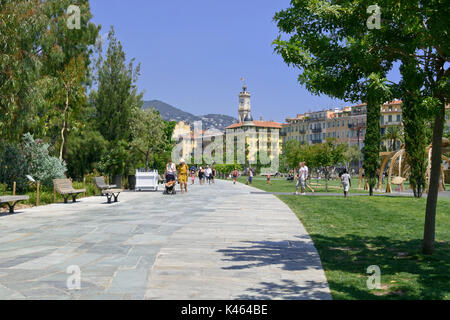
[298, 255]
[405, 272]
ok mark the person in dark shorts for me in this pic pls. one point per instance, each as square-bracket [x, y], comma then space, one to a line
[201, 175]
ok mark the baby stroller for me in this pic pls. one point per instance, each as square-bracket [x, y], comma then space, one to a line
[169, 184]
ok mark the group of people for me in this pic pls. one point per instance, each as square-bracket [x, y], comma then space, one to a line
[303, 174]
[183, 171]
[204, 175]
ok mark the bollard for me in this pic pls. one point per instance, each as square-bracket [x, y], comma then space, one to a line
[84, 186]
[14, 188]
[37, 193]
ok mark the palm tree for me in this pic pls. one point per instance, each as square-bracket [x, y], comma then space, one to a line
[393, 134]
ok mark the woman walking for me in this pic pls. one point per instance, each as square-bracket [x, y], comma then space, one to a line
[346, 182]
[183, 175]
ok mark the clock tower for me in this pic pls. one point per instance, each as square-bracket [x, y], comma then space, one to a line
[244, 104]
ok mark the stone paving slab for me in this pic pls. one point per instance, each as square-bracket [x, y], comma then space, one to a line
[218, 241]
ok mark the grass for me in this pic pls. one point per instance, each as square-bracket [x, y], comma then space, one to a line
[282, 185]
[354, 233]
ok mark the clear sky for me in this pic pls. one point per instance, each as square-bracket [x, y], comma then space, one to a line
[193, 54]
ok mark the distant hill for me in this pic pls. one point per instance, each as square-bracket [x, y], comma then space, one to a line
[209, 121]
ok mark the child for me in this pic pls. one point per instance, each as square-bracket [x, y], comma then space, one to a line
[192, 177]
[268, 179]
[235, 174]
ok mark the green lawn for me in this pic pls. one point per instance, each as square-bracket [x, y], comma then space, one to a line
[282, 185]
[354, 233]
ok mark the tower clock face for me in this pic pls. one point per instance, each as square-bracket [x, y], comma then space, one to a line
[241, 101]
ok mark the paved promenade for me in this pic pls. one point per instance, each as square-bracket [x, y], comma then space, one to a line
[216, 242]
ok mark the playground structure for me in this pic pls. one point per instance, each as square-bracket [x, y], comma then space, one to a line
[397, 164]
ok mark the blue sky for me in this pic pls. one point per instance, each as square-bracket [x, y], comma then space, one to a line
[193, 54]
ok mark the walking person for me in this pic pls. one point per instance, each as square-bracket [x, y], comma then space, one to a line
[183, 175]
[235, 175]
[346, 182]
[268, 178]
[192, 177]
[213, 174]
[171, 172]
[301, 178]
[250, 176]
[307, 177]
[208, 174]
[200, 175]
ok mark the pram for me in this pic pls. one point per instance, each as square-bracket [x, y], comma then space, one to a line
[169, 184]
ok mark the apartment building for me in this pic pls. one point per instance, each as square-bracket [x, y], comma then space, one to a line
[346, 125]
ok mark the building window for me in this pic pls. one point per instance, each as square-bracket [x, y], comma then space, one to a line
[399, 118]
[390, 118]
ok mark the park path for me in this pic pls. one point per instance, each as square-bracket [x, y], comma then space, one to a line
[218, 241]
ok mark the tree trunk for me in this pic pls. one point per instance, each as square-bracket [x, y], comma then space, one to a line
[63, 138]
[433, 190]
[146, 161]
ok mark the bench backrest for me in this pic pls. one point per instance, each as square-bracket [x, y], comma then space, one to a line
[63, 185]
[100, 183]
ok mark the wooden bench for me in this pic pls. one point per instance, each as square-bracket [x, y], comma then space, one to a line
[101, 184]
[107, 190]
[109, 193]
[64, 187]
[11, 201]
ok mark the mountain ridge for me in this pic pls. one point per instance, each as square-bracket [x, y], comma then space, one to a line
[171, 113]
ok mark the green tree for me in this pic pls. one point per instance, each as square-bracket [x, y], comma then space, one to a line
[376, 95]
[84, 150]
[393, 135]
[327, 156]
[415, 119]
[21, 26]
[330, 42]
[148, 134]
[353, 154]
[116, 101]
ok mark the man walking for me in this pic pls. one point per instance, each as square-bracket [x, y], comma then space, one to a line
[250, 176]
[302, 175]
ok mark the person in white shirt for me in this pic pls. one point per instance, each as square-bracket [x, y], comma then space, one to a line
[303, 174]
[346, 182]
[301, 178]
[171, 171]
[208, 173]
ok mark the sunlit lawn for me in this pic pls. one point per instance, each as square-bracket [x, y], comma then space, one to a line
[282, 185]
[354, 233]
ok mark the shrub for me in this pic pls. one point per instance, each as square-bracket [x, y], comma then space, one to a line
[32, 158]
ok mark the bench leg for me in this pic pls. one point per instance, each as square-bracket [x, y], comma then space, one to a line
[11, 207]
[116, 198]
[74, 198]
[65, 199]
[109, 196]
